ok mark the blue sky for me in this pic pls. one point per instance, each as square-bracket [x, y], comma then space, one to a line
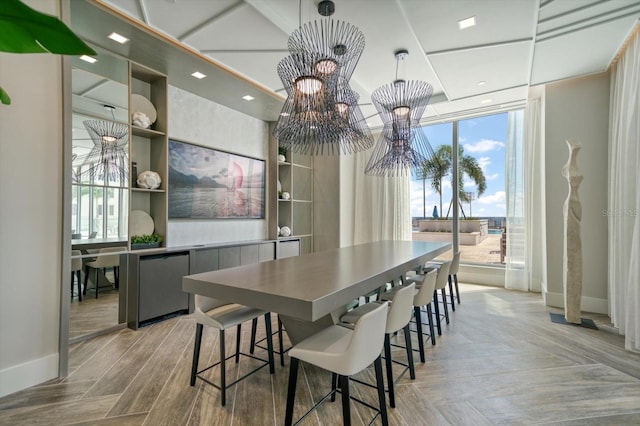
[483, 138]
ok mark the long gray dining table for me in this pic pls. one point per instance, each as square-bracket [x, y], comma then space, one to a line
[309, 292]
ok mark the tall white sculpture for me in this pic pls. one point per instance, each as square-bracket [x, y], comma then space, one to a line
[572, 278]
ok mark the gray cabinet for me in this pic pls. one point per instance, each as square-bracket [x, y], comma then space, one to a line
[160, 287]
[155, 287]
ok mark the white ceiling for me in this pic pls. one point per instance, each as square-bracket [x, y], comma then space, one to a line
[515, 44]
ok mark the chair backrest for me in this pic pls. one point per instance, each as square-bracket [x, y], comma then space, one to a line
[455, 264]
[106, 260]
[443, 275]
[76, 260]
[366, 342]
[425, 292]
[401, 307]
[93, 234]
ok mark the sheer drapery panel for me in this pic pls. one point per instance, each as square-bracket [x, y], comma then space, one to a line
[623, 210]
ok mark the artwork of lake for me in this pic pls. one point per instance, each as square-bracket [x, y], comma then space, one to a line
[208, 184]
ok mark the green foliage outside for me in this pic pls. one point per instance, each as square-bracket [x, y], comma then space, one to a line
[441, 165]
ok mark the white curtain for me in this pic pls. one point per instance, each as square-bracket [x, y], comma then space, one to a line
[623, 208]
[525, 267]
[381, 206]
[514, 277]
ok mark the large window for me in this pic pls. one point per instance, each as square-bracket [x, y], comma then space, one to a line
[99, 210]
[482, 192]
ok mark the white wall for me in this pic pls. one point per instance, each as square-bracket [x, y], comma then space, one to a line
[200, 121]
[31, 149]
[578, 109]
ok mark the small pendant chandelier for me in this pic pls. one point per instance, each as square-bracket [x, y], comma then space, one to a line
[108, 159]
[402, 147]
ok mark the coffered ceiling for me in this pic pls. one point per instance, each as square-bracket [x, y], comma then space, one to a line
[514, 44]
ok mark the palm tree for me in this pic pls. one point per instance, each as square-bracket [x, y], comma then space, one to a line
[440, 165]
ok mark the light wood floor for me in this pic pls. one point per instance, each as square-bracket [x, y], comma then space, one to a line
[500, 361]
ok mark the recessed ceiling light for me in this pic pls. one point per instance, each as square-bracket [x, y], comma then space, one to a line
[486, 101]
[89, 59]
[482, 83]
[248, 98]
[466, 23]
[198, 75]
[117, 37]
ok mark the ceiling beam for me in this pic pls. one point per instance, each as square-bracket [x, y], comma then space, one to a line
[218, 16]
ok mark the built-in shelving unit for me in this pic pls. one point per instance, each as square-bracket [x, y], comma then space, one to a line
[148, 147]
[296, 177]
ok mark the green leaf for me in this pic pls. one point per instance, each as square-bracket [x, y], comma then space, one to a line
[4, 97]
[25, 30]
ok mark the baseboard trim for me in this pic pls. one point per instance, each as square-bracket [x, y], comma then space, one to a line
[28, 374]
[587, 304]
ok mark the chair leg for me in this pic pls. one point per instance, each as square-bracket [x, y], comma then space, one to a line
[86, 279]
[267, 325]
[79, 276]
[72, 282]
[116, 276]
[380, 385]
[389, 368]
[281, 343]
[455, 279]
[291, 391]
[223, 370]
[334, 386]
[196, 353]
[444, 304]
[437, 312]
[254, 326]
[346, 400]
[417, 314]
[407, 338]
[238, 335]
[451, 296]
[96, 282]
[431, 329]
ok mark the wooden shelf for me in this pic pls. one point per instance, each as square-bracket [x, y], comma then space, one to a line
[161, 191]
[148, 133]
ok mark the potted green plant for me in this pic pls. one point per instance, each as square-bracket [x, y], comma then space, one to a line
[146, 241]
[282, 154]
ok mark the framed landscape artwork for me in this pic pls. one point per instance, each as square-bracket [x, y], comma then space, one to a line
[205, 183]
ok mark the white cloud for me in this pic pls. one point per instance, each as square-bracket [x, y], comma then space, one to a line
[469, 184]
[484, 162]
[497, 199]
[446, 184]
[492, 177]
[483, 145]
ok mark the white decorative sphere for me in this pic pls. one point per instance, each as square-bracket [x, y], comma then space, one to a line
[149, 179]
[286, 195]
[278, 231]
[282, 158]
[285, 231]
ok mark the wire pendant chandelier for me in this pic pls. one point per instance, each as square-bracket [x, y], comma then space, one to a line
[402, 147]
[321, 113]
[108, 160]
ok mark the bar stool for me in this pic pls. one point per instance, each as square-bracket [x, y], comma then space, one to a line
[441, 284]
[76, 272]
[344, 352]
[425, 285]
[222, 315]
[103, 262]
[398, 319]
